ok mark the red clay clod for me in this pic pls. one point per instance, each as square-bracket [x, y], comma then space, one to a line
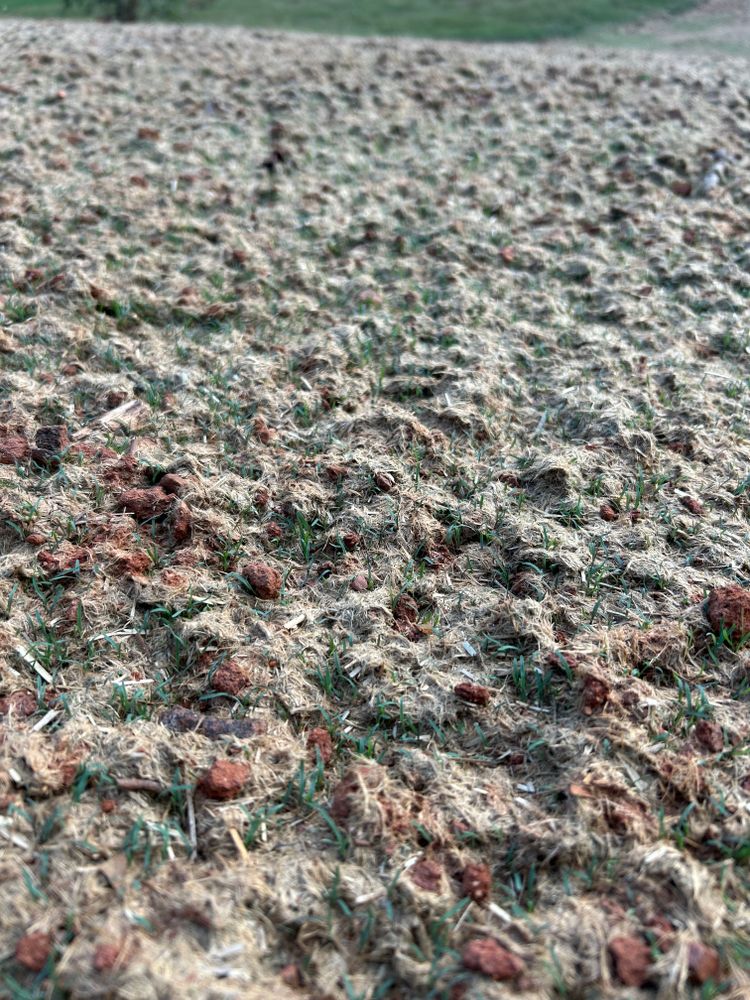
[476, 881]
[224, 780]
[703, 963]
[486, 956]
[319, 742]
[729, 609]
[33, 950]
[632, 960]
[263, 580]
[475, 694]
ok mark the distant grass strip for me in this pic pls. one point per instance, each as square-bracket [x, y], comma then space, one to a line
[474, 20]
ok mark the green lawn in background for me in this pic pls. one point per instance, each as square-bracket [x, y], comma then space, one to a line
[486, 20]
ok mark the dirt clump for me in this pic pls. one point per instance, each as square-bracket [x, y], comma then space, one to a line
[486, 956]
[225, 779]
[263, 580]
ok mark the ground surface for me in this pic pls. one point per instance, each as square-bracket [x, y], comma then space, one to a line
[488, 20]
[453, 342]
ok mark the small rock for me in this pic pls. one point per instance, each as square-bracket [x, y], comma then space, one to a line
[50, 442]
[475, 694]
[709, 735]
[476, 882]
[351, 540]
[359, 583]
[384, 481]
[406, 609]
[181, 520]
[682, 188]
[729, 608]
[274, 530]
[224, 780]
[336, 473]
[184, 720]
[691, 504]
[13, 448]
[607, 512]
[106, 956]
[174, 484]
[230, 678]
[33, 950]
[703, 963]
[427, 874]
[595, 694]
[319, 742]
[264, 580]
[291, 975]
[490, 958]
[632, 960]
[19, 703]
[35, 538]
[145, 504]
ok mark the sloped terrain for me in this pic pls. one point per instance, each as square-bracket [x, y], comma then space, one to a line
[375, 474]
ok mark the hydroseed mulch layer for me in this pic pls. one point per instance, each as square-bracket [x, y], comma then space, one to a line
[374, 434]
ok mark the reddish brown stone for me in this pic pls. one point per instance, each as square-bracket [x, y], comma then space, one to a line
[509, 478]
[108, 805]
[19, 703]
[33, 950]
[171, 578]
[607, 512]
[145, 504]
[171, 483]
[13, 448]
[476, 881]
[490, 959]
[691, 504]
[476, 694]
[336, 472]
[729, 608]
[115, 398]
[66, 558]
[384, 481]
[230, 678]
[262, 497]
[406, 609]
[274, 530]
[709, 735]
[145, 133]
[682, 188]
[703, 963]
[225, 779]
[263, 432]
[632, 960]
[427, 874]
[351, 540]
[595, 694]
[291, 975]
[359, 583]
[181, 520]
[107, 955]
[264, 580]
[319, 742]
[133, 564]
[35, 538]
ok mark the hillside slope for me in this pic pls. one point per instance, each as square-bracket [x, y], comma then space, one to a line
[373, 429]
